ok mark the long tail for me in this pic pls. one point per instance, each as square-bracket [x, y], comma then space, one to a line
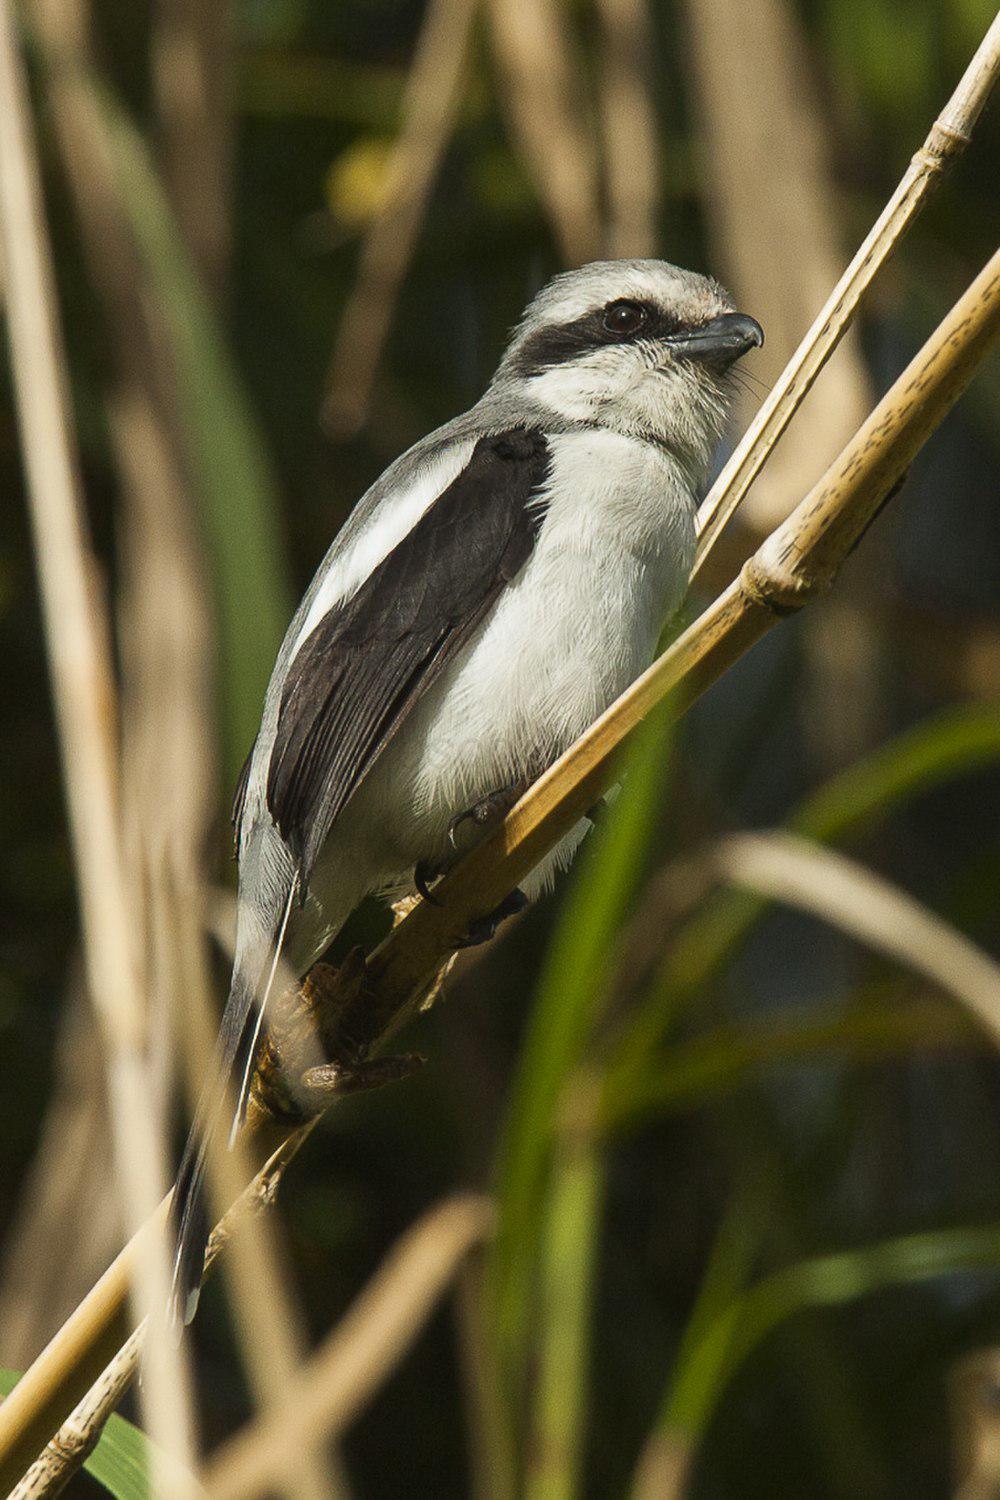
[254, 969]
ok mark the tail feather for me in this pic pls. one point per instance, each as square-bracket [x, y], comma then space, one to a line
[246, 1050]
[235, 1050]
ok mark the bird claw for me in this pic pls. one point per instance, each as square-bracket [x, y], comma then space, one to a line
[319, 1016]
[488, 810]
[326, 1081]
[482, 814]
[423, 873]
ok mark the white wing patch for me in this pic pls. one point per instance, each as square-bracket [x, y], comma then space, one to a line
[391, 522]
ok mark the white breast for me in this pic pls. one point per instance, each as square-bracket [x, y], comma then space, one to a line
[573, 630]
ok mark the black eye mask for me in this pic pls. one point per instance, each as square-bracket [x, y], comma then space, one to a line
[623, 321]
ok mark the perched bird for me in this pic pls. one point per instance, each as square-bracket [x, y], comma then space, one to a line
[497, 587]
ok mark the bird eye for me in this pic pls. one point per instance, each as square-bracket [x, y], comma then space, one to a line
[624, 317]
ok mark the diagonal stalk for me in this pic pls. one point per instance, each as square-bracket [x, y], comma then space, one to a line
[948, 138]
[797, 563]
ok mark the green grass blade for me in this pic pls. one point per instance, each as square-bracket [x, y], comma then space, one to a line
[573, 983]
[951, 744]
[237, 503]
[737, 1245]
[121, 1459]
[826, 1281]
[720, 1060]
[568, 1265]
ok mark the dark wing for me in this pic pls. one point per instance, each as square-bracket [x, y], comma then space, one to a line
[240, 797]
[367, 663]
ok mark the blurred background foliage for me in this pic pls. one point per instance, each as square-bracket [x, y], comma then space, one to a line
[748, 1172]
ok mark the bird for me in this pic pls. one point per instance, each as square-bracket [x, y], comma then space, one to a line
[499, 585]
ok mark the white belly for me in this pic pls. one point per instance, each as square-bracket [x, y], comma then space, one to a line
[565, 639]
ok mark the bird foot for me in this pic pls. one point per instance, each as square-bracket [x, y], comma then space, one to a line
[318, 1085]
[487, 812]
[482, 815]
[316, 1020]
[483, 928]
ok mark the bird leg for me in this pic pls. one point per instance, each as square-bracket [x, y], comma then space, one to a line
[311, 1051]
[480, 817]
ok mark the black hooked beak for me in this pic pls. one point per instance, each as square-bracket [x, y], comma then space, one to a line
[720, 342]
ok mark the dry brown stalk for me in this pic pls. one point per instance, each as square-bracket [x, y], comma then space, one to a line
[975, 1383]
[313, 1016]
[946, 141]
[784, 867]
[533, 51]
[629, 128]
[276, 1329]
[76, 1440]
[772, 210]
[664, 1468]
[192, 55]
[79, 1434]
[796, 564]
[337, 1382]
[83, 684]
[492, 1461]
[37, 1290]
[165, 626]
[77, 650]
[166, 753]
[430, 109]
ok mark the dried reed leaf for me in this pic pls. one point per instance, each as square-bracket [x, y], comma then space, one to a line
[841, 891]
[771, 208]
[337, 1382]
[430, 110]
[541, 93]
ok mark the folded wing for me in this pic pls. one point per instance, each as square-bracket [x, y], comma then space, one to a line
[369, 661]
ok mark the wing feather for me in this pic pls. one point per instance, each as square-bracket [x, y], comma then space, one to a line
[370, 660]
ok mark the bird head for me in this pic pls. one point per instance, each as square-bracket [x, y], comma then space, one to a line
[638, 346]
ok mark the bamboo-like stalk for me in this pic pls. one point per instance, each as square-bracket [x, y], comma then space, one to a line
[947, 139]
[83, 687]
[329, 1390]
[77, 1439]
[532, 45]
[796, 563]
[78, 1436]
[773, 216]
[430, 112]
[786, 867]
